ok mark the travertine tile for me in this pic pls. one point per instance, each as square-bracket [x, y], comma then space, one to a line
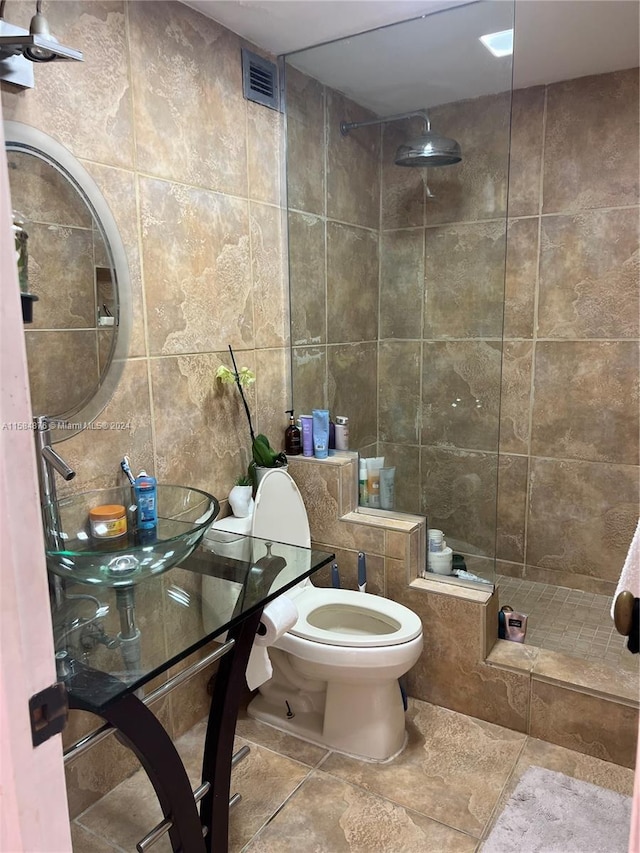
[402, 277]
[330, 816]
[584, 723]
[84, 105]
[352, 381]
[395, 545]
[476, 188]
[348, 567]
[461, 394]
[459, 496]
[527, 110]
[119, 190]
[95, 455]
[568, 578]
[590, 677]
[520, 277]
[273, 739]
[352, 284]
[474, 757]
[214, 441]
[86, 842]
[307, 280]
[589, 268]
[512, 499]
[515, 396]
[268, 264]
[318, 485]
[273, 395]
[196, 260]
[519, 657]
[264, 152]
[349, 485]
[607, 496]
[450, 671]
[306, 142]
[265, 780]
[190, 115]
[309, 368]
[464, 268]
[353, 164]
[586, 401]
[584, 167]
[399, 367]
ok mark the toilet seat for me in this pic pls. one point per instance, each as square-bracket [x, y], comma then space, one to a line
[353, 619]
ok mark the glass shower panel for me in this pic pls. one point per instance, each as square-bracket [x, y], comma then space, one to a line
[397, 272]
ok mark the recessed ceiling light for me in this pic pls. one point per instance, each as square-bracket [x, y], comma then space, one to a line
[499, 44]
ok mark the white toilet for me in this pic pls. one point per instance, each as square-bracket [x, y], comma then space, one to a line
[335, 673]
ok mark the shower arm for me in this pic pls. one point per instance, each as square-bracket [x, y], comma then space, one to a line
[346, 126]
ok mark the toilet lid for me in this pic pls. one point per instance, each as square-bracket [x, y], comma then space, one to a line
[280, 514]
[344, 617]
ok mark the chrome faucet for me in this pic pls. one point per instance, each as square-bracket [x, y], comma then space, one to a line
[50, 461]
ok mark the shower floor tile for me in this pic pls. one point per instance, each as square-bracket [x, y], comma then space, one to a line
[567, 620]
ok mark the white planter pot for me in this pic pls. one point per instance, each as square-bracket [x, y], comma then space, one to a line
[241, 501]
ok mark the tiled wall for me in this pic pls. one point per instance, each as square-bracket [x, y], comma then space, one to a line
[442, 287]
[569, 432]
[333, 200]
[540, 363]
[191, 172]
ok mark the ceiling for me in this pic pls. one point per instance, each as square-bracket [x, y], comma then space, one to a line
[438, 58]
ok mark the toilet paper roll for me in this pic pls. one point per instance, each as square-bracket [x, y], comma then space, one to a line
[441, 562]
[277, 617]
[259, 667]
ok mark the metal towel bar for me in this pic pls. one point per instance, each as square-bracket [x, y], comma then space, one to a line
[165, 825]
[95, 737]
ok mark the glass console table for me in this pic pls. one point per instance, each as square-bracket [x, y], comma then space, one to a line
[111, 642]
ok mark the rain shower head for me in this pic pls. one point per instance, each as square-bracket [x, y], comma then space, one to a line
[430, 149]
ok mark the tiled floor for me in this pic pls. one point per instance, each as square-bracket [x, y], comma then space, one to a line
[567, 620]
[441, 795]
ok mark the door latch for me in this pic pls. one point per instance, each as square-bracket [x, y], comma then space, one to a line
[48, 712]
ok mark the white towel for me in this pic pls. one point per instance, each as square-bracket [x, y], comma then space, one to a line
[277, 617]
[630, 575]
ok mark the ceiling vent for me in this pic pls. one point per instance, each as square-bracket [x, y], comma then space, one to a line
[259, 80]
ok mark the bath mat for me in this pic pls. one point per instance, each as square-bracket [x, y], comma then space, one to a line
[552, 813]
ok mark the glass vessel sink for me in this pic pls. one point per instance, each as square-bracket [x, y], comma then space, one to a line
[184, 515]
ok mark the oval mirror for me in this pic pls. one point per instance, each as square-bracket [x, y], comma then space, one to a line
[78, 339]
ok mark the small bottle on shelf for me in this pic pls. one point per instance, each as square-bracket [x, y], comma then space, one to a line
[292, 440]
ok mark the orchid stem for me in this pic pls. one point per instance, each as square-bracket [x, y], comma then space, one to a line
[246, 407]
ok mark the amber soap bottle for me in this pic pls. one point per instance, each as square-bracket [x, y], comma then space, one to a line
[292, 441]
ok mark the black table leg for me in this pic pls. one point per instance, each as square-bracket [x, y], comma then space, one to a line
[218, 751]
[140, 730]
